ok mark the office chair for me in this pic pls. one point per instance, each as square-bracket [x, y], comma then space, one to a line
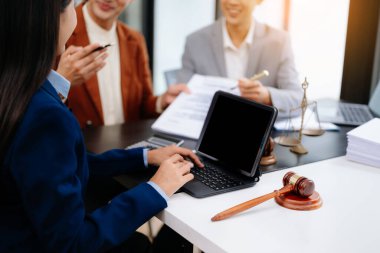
[171, 76]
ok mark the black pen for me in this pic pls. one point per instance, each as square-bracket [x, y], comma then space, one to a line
[102, 47]
[255, 77]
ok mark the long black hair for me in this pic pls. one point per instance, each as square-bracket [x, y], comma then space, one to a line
[29, 32]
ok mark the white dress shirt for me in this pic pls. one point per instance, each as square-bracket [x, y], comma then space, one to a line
[237, 58]
[109, 76]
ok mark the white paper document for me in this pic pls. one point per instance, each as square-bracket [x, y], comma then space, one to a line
[186, 115]
[364, 143]
[368, 132]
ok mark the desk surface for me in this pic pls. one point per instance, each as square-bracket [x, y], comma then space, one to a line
[329, 145]
[348, 221]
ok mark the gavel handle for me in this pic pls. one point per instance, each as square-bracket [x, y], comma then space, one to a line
[250, 203]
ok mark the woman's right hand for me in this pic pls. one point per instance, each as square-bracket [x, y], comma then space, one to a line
[173, 174]
[78, 64]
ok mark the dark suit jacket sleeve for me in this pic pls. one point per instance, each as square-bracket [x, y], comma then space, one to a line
[45, 171]
[115, 162]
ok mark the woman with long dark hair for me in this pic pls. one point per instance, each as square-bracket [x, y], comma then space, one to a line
[44, 166]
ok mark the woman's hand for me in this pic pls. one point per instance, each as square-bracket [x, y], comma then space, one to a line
[173, 174]
[157, 156]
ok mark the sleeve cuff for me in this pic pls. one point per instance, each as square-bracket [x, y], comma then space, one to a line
[145, 157]
[159, 190]
[158, 105]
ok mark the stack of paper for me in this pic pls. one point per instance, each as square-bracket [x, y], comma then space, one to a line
[364, 143]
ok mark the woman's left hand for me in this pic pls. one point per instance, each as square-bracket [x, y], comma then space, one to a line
[157, 156]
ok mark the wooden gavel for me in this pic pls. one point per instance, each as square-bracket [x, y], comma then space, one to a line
[292, 182]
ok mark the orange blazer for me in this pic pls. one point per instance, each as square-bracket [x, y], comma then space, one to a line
[136, 84]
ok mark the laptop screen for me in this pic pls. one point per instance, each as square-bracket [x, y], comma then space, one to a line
[236, 131]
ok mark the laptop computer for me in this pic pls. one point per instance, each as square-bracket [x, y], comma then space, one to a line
[231, 144]
[350, 114]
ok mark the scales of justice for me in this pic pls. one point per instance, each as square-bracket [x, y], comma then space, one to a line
[289, 139]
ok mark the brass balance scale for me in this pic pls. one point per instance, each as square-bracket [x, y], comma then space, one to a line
[289, 139]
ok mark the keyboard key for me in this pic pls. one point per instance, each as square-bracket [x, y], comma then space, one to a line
[214, 178]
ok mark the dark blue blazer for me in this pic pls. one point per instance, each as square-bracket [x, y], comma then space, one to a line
[43, 181]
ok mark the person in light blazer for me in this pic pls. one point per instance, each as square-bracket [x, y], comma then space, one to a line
[237, 46]
[44, 167]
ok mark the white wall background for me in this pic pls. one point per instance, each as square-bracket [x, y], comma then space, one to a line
[174, 20]
[318, 32]
[318, 29]
[271, 12]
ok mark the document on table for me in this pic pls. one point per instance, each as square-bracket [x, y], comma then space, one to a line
[186, 115]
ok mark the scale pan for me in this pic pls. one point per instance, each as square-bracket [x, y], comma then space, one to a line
[287, 141]
[313, 132]
[299, 149]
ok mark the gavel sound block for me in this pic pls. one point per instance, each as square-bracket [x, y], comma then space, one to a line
[298, 194]
[268, 157]
[303, 197]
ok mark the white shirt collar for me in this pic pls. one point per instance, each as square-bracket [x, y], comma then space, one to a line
[93, 27]
[59, 83]
[227, 42]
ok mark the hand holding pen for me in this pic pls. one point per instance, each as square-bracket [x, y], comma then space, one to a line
[253, 89]
[78, 64]
[103, 47]
[255, 77]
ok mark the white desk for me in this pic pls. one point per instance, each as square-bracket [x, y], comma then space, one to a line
[348, 221]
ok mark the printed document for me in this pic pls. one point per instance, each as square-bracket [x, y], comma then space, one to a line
[186, 115]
